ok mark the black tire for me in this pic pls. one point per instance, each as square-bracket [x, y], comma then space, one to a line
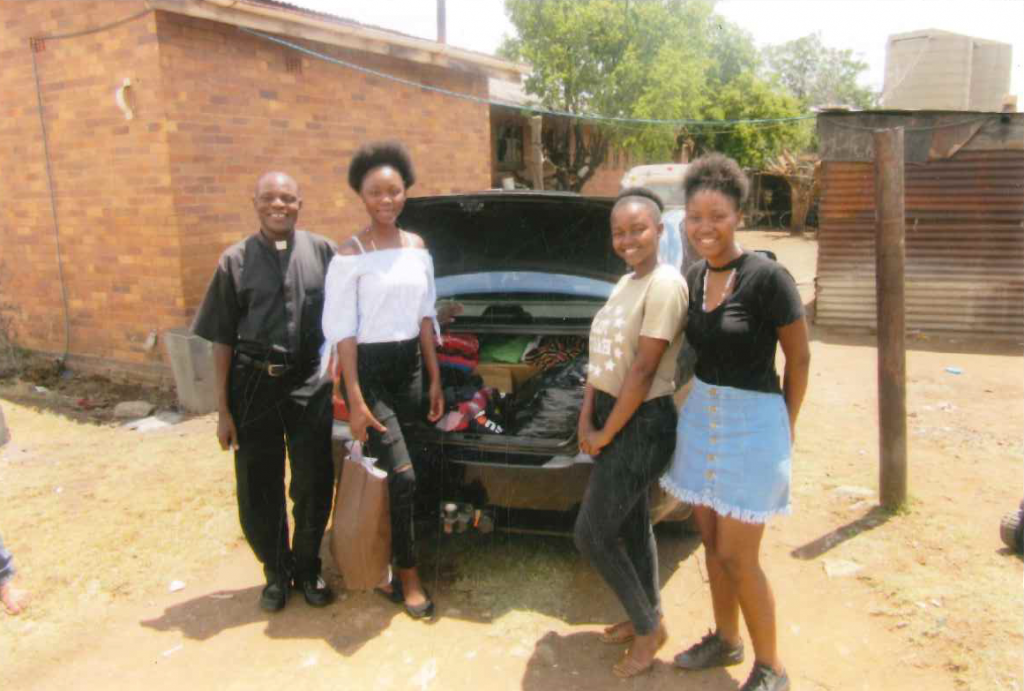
[1010, 531]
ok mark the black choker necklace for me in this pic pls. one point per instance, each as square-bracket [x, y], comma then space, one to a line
[728, 267]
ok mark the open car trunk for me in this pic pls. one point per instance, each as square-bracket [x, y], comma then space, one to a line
[520, 264]
[538, 410]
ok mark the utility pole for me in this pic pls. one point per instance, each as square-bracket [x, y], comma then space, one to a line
[442, 21]
[889, 288]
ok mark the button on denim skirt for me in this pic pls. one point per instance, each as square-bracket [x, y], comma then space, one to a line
[732, 453]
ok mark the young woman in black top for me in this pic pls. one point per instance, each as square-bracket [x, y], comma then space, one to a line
[735, 432]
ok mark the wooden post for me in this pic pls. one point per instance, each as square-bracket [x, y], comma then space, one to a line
[889, 286]
[536, 152]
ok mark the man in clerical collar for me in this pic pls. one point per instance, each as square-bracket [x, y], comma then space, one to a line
[262, 312]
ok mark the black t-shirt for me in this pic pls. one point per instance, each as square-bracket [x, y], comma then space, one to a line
[736, 341]
[267, 302]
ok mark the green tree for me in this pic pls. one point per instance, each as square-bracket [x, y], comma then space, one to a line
[818, 75]
[733, 52]
[752, 144]
[649, 59]
[620, 59]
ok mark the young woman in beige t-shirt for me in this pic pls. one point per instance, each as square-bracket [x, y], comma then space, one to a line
[627, 423]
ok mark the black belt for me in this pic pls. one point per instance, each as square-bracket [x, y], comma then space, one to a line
[272, 369]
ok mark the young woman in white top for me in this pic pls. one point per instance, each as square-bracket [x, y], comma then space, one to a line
[380, 321]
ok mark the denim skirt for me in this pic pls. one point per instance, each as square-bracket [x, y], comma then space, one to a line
[732, 453]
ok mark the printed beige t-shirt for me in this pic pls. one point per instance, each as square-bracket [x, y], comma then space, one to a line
[653, 306]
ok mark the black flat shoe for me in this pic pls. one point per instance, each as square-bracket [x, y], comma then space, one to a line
[424, 611]
[316, 591]
[395, 595]
[274, 597]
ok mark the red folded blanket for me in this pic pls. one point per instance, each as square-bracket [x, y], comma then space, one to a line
[466, 345]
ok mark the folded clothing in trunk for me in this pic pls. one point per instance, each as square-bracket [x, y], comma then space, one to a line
[466, 345]
[551, 351]
[480, 413]
[551, 405]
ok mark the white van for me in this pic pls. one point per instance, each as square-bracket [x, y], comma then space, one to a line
[666, 180]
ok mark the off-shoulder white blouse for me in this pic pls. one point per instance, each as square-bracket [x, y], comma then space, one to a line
[377, 297]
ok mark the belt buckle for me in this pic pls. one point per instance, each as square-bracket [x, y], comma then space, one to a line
[275, 370]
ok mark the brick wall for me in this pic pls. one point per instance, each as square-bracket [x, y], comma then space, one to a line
[146, 206]
[118, 234]
[238, 105]
[606, 181]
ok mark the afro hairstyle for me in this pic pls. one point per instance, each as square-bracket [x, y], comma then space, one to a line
[377, 154]
[718, 173]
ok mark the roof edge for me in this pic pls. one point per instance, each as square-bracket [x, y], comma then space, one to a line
[315, 27]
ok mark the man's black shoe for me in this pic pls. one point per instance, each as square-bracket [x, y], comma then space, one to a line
[315, 590]
[274, 596]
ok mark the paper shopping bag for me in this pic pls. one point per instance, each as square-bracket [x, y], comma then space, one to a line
[361, 533]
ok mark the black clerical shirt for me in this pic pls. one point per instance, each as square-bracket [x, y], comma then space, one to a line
[266, 298]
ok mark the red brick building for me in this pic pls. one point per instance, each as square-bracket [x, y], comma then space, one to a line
[138, 209]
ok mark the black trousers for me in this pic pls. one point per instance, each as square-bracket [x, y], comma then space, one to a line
[391, 379]
[272, 414]
[616, 506]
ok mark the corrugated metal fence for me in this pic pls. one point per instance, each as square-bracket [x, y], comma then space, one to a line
[964, 245]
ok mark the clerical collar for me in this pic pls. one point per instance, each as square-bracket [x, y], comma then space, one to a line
[279, 245]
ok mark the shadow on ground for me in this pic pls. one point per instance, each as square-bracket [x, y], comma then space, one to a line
[579, 661]
[869, 521]
[487, 576]
[474, 578]
[346, 625]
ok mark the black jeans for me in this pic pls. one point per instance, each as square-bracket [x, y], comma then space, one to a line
[270, 414]
[616, 505]
[391, 379]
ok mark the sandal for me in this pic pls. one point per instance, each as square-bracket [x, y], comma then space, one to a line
[617, 633]
[628, 667]
[395, 595]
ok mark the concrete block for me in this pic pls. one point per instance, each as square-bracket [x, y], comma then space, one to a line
[192, 363]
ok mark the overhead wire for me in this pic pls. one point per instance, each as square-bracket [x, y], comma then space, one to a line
[527, 107]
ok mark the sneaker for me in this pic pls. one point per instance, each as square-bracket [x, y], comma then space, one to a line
[712, 651]
[763, 678]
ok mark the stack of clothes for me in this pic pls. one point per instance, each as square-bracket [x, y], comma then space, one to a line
[470, 406]
[458, 355]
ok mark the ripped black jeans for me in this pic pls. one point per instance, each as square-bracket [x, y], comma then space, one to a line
[616, 506]
[391, 379]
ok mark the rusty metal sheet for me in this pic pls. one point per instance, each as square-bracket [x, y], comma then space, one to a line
[964, 245]
[929, 135]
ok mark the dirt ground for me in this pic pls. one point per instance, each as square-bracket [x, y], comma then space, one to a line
[103, 519]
